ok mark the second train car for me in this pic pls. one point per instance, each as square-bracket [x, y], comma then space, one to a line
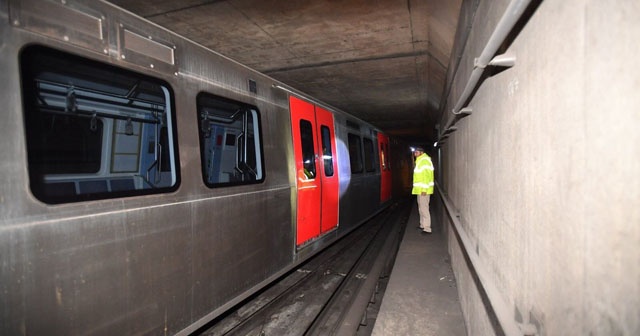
[149, 184]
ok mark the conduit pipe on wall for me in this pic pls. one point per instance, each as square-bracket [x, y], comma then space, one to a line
[508, 20]
[503, 312]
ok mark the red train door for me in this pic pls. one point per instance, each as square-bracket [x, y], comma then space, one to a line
[316, 170]
[385, 168]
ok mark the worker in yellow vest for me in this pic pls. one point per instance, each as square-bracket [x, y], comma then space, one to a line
[423, 186]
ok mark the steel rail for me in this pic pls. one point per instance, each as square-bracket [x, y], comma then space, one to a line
[328, 269]
[343, 313]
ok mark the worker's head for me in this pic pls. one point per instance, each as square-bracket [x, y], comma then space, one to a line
[418, 151]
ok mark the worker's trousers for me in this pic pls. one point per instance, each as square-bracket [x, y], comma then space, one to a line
[423, 209]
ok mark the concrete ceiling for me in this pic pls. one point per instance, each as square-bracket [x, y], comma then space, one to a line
[384, 61]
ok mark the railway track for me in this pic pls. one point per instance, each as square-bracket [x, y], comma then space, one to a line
[329, 294]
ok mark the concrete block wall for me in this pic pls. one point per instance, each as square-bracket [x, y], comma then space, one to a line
[546, 171]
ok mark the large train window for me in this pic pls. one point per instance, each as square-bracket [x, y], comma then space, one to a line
[355, 153]
[230, 141]
[369, 163]
[95, 131]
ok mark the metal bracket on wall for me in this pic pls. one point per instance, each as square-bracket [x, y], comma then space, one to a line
[506, 60]
[509, 19]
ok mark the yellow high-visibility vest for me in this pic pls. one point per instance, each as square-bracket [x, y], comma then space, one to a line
[423, 175]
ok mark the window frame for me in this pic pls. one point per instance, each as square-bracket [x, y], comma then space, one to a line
[369, 155]
[308, 147]
[37, 62]
[384, 157]
[357, 168]
[327, 158]
[258, 154]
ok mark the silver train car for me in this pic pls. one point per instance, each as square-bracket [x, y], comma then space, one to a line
[149, 184]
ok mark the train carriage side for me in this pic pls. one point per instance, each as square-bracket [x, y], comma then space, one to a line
[145, 186]
[150, 184]
[360, 177]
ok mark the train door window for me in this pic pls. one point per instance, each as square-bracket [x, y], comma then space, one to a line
[327, 155]
[355, 153]
[384, 157]
[308, 154]
[95, 131]
[369, 162]
[230, 141]
[387, 157]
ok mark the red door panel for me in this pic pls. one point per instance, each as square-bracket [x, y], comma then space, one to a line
[328, 167]
[385, 168]
[309, 186]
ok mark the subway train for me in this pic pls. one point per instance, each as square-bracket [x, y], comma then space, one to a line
[149, 184]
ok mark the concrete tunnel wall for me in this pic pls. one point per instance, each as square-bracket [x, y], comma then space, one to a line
[545, 172]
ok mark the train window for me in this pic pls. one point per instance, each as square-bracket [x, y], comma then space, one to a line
[327, 154]
[230, 141]
[95, 131]
[369, 162]
[355, 153]
[385, 157]
[308, 154]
